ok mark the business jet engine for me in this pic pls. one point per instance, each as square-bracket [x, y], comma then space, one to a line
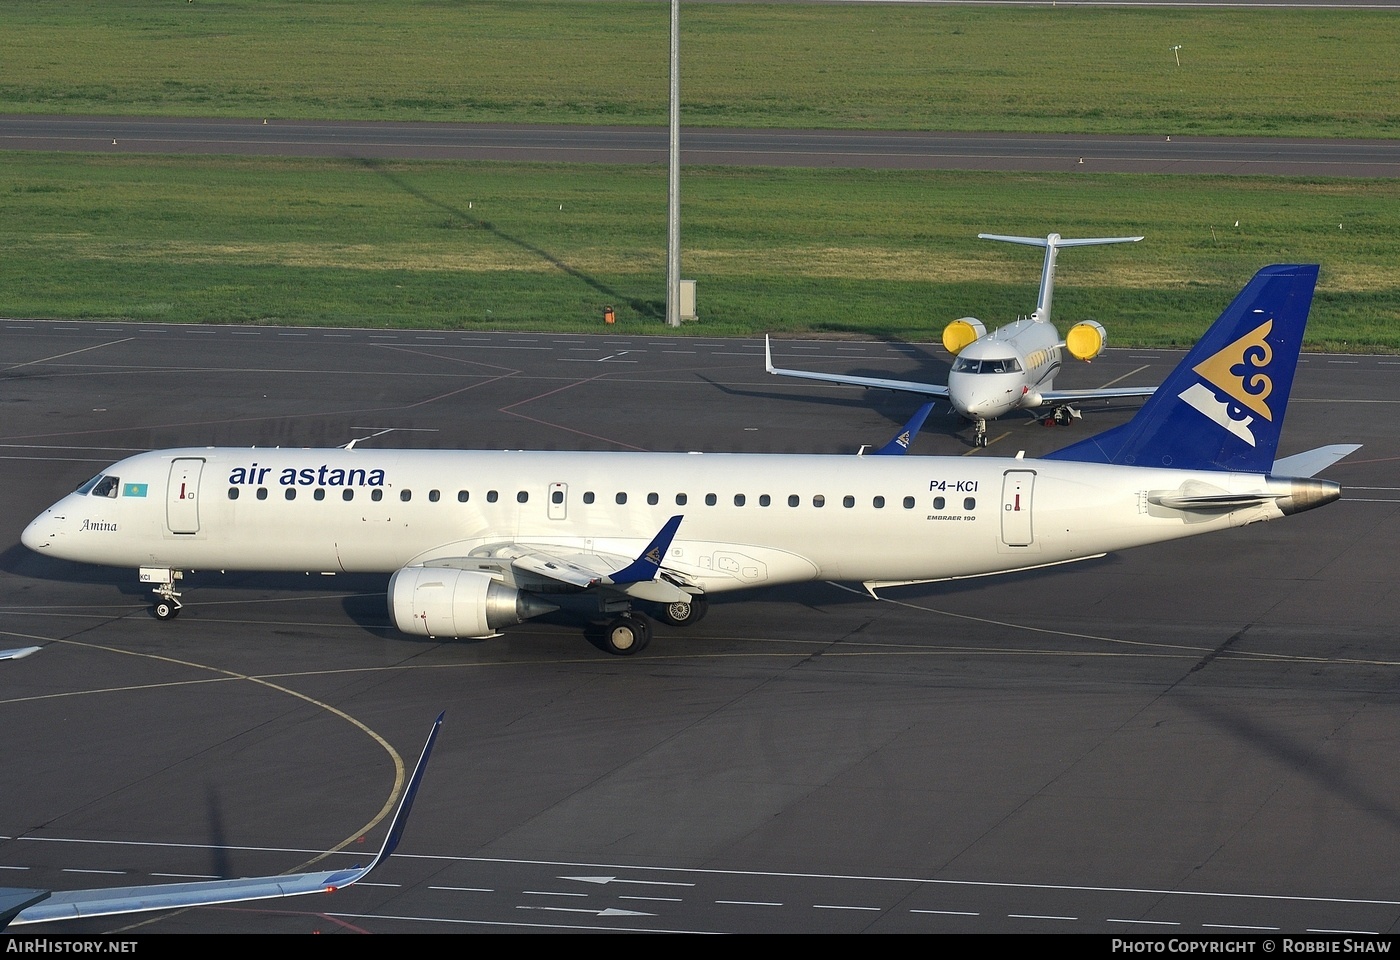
[447, 602]
[1086, 340]
[960, 333]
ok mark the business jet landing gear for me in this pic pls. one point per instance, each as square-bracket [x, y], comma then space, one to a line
[979, 439]
[1062, 416]
[627, 634]
[166, 605]
[683, 614]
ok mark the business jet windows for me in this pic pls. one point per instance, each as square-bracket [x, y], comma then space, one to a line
[998, 365]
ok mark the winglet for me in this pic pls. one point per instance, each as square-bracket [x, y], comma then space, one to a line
[73, 904]
[900, 443]
[649, 560]
[1222, 407]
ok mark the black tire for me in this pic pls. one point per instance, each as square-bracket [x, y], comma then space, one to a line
[627, 635]
[685, 614]
[164, 610]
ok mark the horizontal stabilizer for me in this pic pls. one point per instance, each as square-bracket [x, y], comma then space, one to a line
[1313, 462]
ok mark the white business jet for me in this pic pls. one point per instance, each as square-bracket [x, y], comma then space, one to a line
[476, 541]
[1013, 367]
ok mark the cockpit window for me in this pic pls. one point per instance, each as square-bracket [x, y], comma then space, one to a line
[998, 365]
[86, 488]
[106, 487]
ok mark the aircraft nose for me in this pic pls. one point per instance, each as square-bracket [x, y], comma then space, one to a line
[41, 531]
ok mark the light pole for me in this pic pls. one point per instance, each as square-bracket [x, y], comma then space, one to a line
[673, 191]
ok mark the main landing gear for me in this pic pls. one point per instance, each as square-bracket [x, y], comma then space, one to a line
[629, 632]
[1061, 416]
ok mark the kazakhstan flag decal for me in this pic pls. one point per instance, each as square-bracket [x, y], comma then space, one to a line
[133, 489]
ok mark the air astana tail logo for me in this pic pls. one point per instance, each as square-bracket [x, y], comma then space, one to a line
[1236, 386]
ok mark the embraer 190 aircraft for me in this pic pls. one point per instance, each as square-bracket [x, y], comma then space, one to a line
[1013, 367]
[476, 541]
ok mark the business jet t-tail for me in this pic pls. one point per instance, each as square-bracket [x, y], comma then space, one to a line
[476, 541]
[1011, 368]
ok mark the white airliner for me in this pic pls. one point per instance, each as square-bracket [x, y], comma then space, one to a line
[1013, 367]
[476, 541]
[20, 906]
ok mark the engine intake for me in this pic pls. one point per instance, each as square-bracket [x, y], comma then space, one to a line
[448, 602]
[958, 334]
[1086, 340]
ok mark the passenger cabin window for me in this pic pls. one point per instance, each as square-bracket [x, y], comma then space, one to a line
[347, 494]
[711, 499]
[320, 493]
[764, 500]
[376, 494]
[405, 495]
[556, 496]
[681, 499]
[653, 499]
[262, 493]
[588, 496]
[434, 496]
[878, 503]
[621, 498]
[463, 496]
[233, 493]
[107, 487]
[522, 497]
[492, 496]
[819, 501]
[739, 499]
[908, 503]
[970, 503]
[848, 501]
[291, 493]
[938, 503]
[794, 500]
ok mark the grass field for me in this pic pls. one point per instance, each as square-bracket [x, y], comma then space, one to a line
[876, 254]
[1276, 72]
[868, 253]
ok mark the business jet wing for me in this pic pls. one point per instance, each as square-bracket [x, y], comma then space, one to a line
[77, 904]
[875, 383]
[1101, 393]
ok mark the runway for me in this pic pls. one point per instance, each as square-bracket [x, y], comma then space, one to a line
[896, 150]
[1194, 738]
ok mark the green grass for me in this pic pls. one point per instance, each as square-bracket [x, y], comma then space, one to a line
[1278, 72]
[865, 253]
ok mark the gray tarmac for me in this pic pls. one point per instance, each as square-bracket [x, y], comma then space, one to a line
[1195, 738]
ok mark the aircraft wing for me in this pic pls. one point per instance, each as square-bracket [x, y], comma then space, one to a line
[638, 576]
[1105, 393]
[75, 904]
[876, 383]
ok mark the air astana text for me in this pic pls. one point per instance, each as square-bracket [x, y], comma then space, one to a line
[322, 476]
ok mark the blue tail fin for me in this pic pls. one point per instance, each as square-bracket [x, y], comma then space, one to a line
[1222, 407]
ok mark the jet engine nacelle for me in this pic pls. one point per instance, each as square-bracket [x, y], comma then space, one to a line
[447, 602]
[1086, 340]
[960, 333]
